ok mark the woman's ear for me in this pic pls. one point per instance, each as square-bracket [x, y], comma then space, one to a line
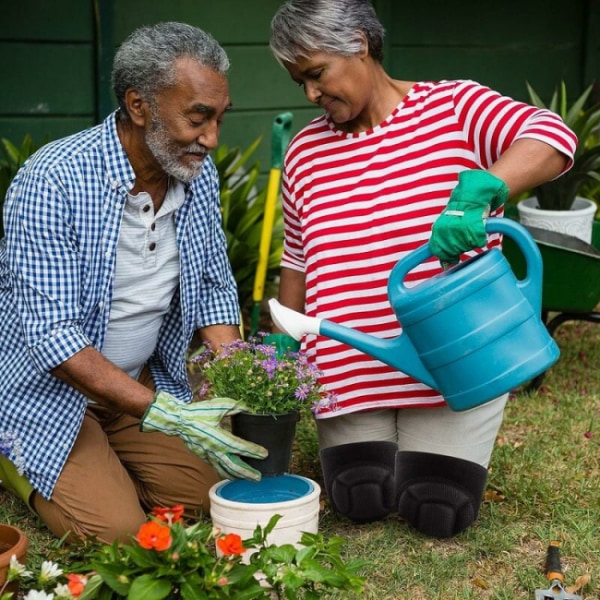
[364, 51]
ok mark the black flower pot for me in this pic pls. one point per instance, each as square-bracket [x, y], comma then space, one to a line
[274, 432]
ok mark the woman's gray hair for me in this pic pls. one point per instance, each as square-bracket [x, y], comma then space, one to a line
[301, 27]
[146, 58]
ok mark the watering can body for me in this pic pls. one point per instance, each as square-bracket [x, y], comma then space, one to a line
[472, 332]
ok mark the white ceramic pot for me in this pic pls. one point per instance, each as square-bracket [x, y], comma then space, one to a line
[239, 506]
[577, 222]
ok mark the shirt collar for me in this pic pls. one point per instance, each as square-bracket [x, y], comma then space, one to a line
[120, 171]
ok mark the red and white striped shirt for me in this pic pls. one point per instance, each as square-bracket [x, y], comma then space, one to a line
[356, 204]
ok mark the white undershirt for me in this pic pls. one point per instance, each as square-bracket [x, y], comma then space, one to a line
[146, 277]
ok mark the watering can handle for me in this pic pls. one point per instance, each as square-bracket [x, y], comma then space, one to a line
[530, 285]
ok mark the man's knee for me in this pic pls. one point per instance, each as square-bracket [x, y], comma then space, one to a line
[91, 522]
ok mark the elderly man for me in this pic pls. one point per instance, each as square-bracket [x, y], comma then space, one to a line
[113, 259]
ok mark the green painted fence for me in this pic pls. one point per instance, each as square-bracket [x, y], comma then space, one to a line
[55, 57]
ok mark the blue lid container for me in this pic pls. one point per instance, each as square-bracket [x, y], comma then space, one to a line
[280, 488]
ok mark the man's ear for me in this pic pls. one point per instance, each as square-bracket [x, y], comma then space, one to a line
[137, 107]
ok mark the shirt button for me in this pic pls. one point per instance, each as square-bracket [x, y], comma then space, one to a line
[153, 226]
[146, 208]
[152, 247]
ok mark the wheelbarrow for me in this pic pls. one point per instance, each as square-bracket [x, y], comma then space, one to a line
[571, 279]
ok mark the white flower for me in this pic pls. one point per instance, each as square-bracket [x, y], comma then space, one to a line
[61, 592]
[16, 569]
[37, 595]
[49, 571]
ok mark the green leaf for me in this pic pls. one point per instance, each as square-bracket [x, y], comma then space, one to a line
[142, 558]
[149, 587]
[113, 575]
[305, 553]
[192, 592]
[92, 587]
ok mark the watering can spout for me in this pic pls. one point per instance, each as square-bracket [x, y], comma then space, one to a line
[398, 352]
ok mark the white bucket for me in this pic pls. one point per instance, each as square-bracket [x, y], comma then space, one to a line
[239, 506]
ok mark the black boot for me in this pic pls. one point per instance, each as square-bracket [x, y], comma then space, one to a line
[438, 495]
[359, 479]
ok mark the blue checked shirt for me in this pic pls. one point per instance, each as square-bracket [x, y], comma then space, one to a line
[57, 262]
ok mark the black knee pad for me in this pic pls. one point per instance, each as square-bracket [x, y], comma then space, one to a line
[438, 495]
[359, 479]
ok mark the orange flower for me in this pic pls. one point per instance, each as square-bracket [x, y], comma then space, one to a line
[76, 584]
[170, 515]
[154, 535]
[231, 544]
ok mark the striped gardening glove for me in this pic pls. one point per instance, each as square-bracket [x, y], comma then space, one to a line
[461, 227]
[197, 424]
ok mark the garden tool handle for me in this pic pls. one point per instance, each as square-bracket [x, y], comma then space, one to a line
[280, 137]
[553, 568]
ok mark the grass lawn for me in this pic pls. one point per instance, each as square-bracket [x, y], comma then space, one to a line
[544, 485]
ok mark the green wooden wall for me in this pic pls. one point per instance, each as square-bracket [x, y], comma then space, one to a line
[55, 57]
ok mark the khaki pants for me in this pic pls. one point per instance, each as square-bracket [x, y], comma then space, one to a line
[115, 474]
[468, 434]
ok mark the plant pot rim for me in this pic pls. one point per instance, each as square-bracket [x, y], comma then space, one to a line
[580, 205]
[287, 488]
[18, 537]
[248, 413]
[18, 543]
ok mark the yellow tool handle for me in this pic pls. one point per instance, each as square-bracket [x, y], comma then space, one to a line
[265, 240]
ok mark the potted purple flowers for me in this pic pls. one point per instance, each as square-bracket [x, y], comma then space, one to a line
[273, 390]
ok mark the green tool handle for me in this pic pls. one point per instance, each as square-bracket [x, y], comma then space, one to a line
[280, 138]
[553, 568]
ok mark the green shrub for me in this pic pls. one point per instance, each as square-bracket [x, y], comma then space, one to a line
[243, 203]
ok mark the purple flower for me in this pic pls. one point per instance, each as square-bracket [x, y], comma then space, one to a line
[10, 446]
[270, 366]
[302, 391]
[252, 372]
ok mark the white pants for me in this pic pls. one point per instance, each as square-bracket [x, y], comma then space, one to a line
[468, 434]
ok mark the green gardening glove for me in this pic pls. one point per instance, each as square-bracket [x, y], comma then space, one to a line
[197, 424]
[461, 227]
[283, 343]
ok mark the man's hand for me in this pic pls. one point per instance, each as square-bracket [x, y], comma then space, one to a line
[197, 424]
[461, 227]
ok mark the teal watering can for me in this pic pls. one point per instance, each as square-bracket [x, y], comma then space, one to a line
[472, 332]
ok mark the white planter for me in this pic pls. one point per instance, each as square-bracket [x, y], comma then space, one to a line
[239, 506]
[576, 222]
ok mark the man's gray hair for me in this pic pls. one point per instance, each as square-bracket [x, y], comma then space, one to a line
[145, 60]
[301, 27]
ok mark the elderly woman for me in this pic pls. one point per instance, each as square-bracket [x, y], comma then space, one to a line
[388, 166]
